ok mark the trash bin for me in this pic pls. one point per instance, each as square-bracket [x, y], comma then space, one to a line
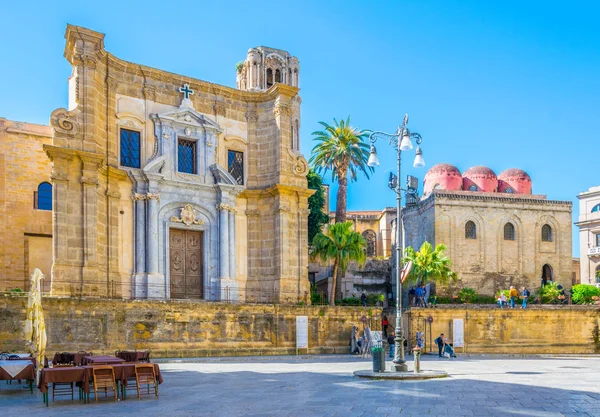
[378, 355]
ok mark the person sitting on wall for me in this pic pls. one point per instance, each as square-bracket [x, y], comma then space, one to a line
[502, 300]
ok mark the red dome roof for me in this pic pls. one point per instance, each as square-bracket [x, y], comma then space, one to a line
[480, 178]
[514, 180]
[442, 177]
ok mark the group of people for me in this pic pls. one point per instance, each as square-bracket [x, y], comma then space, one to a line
[419, 296]
[513, 294]
[445, 349]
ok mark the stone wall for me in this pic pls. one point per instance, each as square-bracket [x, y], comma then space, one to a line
[548, 329]
[25, 232]
[182, 329]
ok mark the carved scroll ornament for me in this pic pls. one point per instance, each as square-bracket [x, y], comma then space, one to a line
[187, 216]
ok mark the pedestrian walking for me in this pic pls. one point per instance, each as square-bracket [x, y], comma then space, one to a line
[419, 294]
[363, 299]
[440, 344]
[525, 295]
[390, 340]
[427, 294]
[512, 295]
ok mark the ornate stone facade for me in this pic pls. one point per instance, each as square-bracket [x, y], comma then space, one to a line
[236, 230]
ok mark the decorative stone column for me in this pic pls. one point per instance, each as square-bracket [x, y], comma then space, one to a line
[223, 243]
[232, 264]
[139, 279]
[154, 279]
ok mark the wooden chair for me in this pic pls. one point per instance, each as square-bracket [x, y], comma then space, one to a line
[104, 377]
[145, 375]
[62, 388]
[146, 357]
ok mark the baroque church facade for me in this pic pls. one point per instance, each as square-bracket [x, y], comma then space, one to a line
[167, 187]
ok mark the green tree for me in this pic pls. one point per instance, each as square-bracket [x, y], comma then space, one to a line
[429, 264]
[341, 244]
[341, 148]
[316, 217]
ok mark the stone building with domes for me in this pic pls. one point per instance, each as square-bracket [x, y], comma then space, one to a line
[497, 232]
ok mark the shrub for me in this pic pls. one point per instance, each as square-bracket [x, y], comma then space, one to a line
[443, 300]
[317, 298]
[549, 293]
[582, 293]
[372, 299]
[349, 301]
[485, 299]
[467, 295]
[505, 292]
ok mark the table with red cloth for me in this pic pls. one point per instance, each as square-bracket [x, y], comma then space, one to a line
[108, 360]
[132, 356]
[76, 374]
[75, 357]
[25, 374]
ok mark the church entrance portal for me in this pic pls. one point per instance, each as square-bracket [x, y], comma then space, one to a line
[547, 274]
[186, 263]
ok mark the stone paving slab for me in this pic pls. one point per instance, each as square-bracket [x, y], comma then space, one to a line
[325, 386]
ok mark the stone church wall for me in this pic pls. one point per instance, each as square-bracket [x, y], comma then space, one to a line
[182, 329]
[25, 232]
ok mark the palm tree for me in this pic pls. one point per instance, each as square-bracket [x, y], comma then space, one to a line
[342, 244]
[429, 264]
[341, 149]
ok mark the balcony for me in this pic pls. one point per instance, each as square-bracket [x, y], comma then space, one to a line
[594, 251]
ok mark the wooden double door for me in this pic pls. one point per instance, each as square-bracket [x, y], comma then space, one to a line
[186, 269]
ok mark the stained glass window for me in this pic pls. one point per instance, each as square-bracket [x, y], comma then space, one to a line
[546, 233]
[235, 165]
[470, 230]
[186, 156]
[130, 148]
[43, 197]
[509, 231]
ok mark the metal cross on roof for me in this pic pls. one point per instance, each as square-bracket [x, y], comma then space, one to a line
[186, 90]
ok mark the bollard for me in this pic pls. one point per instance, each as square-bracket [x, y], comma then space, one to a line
[417, 358]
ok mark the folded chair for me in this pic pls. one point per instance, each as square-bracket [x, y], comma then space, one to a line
[104, 377]
[145, 375]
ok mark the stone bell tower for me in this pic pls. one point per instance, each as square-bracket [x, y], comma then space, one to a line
[264, 67]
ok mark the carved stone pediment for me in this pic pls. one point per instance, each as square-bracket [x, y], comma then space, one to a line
[187, 216]
[189, 117]
[221, 175]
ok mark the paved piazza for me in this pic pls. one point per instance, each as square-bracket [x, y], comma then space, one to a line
[324, 386]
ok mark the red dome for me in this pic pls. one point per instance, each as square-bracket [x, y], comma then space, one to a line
[442, 177]
[514, 180]
[480, 178]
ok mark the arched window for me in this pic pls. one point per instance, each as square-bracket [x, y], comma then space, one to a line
[42, 198]
[509, 190]
[473, 188]
[596, 208]
[509, 231]
[437, 187]
[546, 233]
[597, 235]
[277, 76]
[269, 77]
[470, 230]
[371, 239]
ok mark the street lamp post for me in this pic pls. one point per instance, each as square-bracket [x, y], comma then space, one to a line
[401, 140]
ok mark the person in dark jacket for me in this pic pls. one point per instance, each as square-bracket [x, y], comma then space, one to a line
[440, 343]
[390, 340]
[363, 299]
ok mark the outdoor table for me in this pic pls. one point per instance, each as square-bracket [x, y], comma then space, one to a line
[15, 370]
[76, 374]
[108, 360]
[122, 372]
[131, 356]
[77, 358]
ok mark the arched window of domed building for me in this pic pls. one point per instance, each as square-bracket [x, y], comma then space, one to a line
[509, 231]
[473, 188]
[371, 239]
[470, 230]
[546, 233]
[269, 77]
[509, 190]
[596, 208]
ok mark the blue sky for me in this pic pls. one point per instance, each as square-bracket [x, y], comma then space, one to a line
[503, 84]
